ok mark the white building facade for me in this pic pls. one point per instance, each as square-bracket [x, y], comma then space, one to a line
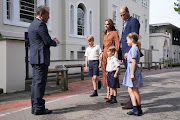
[71, 21]
[165, 42]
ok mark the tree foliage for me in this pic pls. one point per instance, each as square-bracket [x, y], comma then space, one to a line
[177, 6]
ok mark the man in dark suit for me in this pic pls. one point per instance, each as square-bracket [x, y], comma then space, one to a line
[130, 25]
[40, 42]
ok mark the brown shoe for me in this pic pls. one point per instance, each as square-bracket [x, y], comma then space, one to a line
[128, 106]
[125, 103]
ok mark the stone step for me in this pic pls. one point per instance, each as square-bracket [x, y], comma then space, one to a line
[1, 90]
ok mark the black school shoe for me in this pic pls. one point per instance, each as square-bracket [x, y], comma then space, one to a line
[137, 113]
[42, 112]
[99, 84]
[113, 101]
[94, 94]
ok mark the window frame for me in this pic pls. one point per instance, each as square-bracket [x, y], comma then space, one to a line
[15, 14]
[86, 20]
[136, 16]
[71, 25]
[90, 22]
[114, 8]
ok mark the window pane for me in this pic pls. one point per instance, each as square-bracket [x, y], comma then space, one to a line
[27, 10]
[81, 55]
[72, 55]
[8, 8]
[72, 20]
[90, 22]
[80, 21]
[114, 13]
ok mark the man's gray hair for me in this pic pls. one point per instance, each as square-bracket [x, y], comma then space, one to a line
[42, 9]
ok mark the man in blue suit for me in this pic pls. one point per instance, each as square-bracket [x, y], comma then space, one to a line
[40, 42]
[130, 25]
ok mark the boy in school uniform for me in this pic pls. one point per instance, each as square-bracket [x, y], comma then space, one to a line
[112, 69]
[92, 57]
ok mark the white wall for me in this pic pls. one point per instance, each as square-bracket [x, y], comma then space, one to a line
[57, 28]
[3, 64]
[13, 65]
[157, 41]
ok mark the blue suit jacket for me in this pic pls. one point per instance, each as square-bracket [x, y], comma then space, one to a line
[40, 42]
[131, 26]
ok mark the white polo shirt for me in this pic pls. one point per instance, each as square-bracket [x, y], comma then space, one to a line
[112, 64]
[93, 52]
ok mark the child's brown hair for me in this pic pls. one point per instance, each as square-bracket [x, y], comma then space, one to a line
[89, 38]
[133, 36]
[112, 49]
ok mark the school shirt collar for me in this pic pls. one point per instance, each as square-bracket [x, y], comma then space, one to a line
[92, 46]
[134, 45]
[111, 57]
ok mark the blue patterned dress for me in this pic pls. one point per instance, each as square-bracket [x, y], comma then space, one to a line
[138, 82]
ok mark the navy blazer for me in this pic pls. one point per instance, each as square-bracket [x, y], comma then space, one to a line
[132, 25]
[40, 42]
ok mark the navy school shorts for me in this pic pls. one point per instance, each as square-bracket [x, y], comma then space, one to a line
[93, 67]
[112, 82]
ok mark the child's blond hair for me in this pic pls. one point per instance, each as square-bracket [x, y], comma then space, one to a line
[89, 38]
[133, 36]
[112, 49]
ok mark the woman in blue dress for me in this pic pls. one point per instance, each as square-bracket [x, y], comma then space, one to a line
[133, 77]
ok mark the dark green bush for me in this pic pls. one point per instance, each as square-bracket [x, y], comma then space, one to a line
[0, 35]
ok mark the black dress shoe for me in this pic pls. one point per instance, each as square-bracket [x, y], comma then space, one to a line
[133, 113]
[125, 103]
[99, 84]
[112, 102]
[128, 106]
[32, 111]
[42, 112]
[108, 101]
[140, 112]
[94, 94]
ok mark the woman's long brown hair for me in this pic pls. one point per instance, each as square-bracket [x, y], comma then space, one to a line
[112, 27]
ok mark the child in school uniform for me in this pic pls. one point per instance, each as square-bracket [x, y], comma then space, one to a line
[133, 76]
[92, 57]
[112, 69]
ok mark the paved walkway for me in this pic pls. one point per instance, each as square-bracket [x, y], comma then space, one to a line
[160, 101]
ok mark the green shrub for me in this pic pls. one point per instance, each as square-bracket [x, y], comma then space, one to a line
[0, 35]
[175, 64]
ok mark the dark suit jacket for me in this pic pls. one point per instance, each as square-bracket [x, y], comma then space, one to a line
[131, 26]
[40, 42]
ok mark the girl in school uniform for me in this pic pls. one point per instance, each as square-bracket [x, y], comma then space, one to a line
[133, 77]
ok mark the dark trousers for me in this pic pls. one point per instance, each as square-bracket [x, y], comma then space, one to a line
[125, 63]
[40, 72]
